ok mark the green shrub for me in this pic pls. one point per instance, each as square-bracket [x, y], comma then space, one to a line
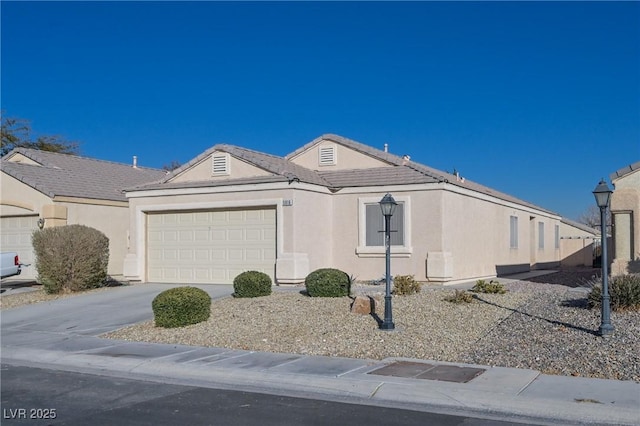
[328, 282]
[460, 296]
[624, 293]
[180, 306]
[405, 284]
[71, 258]
[492, 287]
[252, 284]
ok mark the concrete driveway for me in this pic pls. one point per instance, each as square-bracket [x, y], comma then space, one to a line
[87, 314]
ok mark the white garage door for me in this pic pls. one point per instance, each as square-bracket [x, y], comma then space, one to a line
[210, 246]
[15, 235]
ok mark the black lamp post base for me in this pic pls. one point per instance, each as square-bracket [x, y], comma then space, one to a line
[387, 326]
[605, 329]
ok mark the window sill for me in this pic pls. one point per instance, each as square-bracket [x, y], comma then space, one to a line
[379, 251]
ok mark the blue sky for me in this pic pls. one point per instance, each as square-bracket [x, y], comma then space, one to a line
[538, 100]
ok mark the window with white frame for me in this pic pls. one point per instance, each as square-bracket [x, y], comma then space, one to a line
[220, 164]
[557, 236]
[541, 235]
[513, 232]
[371, 236]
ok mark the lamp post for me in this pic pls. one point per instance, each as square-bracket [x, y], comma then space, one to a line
[603, 195]
[388, 207]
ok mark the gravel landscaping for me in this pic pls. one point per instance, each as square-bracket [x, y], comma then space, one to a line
[534, 325]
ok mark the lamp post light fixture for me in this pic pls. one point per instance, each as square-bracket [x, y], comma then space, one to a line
[388, 207]
[603, 196]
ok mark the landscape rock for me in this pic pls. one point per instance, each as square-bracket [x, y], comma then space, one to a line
[363, 305]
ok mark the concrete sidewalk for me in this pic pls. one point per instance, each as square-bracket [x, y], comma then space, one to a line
[63, 334]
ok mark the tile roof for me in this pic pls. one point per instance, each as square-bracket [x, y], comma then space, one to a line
[400, 175]
[271, 163]
[75, 176]
[350, 143]
[625, 170]
[405, 173]
[430, 174]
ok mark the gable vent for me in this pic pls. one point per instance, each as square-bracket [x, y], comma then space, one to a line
[327, 155]
[220, 164]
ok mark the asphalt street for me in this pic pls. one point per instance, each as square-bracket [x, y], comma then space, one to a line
[36, 396]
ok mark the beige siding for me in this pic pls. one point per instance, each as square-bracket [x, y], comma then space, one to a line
[111, 220]
[576, 246]
[345, 158]
[203, 171]
[625, 207]
[423, 217]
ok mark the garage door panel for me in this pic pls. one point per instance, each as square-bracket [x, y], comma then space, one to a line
[211, 247]
[219, 235]
[218, 255]
[201, 255]
[235, 255]
[253, 255]
[201, 235]
[15, 235]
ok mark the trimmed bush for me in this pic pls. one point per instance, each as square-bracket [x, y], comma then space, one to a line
[460, 296]
[491, 287]
[624, 293]
[405, 285]
[252, 284]
[71, 258]
[328, 282]
[181, 306]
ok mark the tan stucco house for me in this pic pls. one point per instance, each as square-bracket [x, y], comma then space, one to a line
[577, 243]
[625, 211]
[231, 209]
[58, 189]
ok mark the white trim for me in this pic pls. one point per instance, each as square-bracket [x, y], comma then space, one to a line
[362, 250]
[353, 190]
[230, 188]
[141, 227]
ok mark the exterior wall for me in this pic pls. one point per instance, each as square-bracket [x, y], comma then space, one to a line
[476, 231]
[113, 221]
[303, 217]
[346, 158]
[423, 218]
[19, 199]
[454, 237]
[576, 246]
[625, 208]
[202, 171]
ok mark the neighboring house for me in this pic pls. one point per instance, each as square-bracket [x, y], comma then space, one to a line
[232, 209]
[577, 243]
[625, 211]
[58, 189]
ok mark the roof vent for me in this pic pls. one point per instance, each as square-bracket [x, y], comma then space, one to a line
[135, 161]
[327, 155]
[220, 164]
